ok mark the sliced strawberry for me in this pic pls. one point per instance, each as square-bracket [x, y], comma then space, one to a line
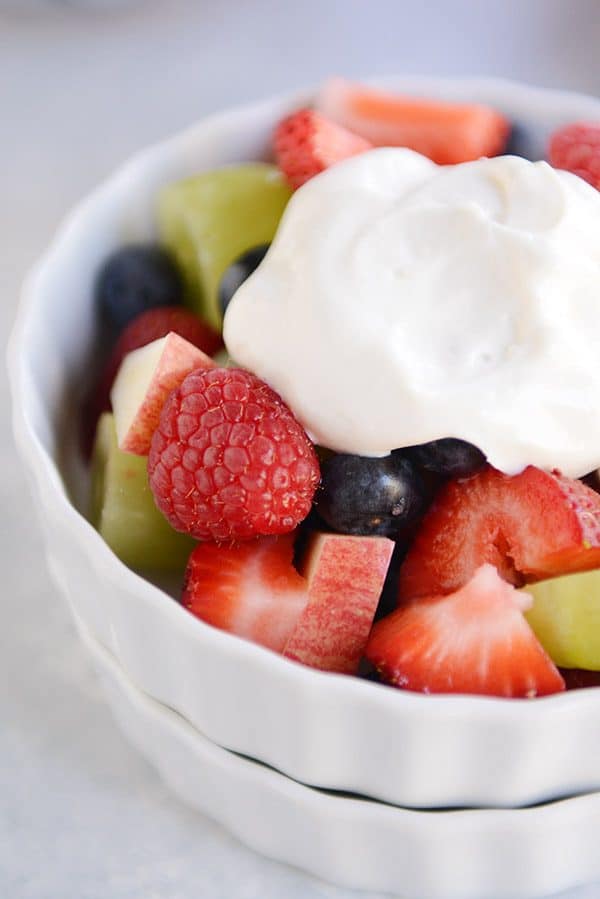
[445, 132]
[306, 143]
[531, 526]
[252, 589]
[475, 640]
[345, 579]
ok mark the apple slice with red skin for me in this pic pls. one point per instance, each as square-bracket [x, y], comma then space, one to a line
[145, 379]
[321, 616]
[345, 579]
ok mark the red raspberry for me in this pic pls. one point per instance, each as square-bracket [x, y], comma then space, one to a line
[576, 148]
[229, 461]
[142, 330]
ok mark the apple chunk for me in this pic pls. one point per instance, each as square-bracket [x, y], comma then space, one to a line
[145, 379]
[345, 579]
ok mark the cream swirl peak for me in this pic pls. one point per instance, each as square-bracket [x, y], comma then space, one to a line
[402, 302]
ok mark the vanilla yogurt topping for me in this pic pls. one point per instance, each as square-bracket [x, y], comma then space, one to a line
[402, 302]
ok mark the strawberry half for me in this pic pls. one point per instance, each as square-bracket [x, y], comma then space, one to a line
[252, 589]
[307, 143]
[531, 526]
[475, 640]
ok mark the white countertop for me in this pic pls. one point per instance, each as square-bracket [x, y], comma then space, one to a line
[81, 815]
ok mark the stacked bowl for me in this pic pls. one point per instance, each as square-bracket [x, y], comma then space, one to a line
[447, 796]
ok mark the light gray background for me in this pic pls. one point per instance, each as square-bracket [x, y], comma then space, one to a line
[81, 816]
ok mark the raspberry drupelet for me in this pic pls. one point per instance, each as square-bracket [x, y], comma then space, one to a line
[229, 461]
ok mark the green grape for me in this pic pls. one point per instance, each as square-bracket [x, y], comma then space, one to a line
[123, 509]
[211, 219]
[566, 618]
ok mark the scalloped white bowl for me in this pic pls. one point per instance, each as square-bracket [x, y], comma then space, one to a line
[326, 730]
[477, 854]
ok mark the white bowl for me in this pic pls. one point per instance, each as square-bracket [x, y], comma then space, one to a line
[326, 730]
[480, 854]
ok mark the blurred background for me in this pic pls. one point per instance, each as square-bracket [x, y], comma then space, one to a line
[83, 83]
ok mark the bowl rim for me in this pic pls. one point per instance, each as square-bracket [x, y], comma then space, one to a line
[47, 476]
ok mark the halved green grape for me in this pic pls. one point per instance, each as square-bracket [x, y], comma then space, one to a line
[123, 509]
[211, 219]
[566, 618]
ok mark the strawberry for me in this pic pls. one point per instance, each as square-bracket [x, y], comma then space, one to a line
[475, 640]
[306, 143]
[576, 148]
[445, 132]
[252, 589]
[531, 526]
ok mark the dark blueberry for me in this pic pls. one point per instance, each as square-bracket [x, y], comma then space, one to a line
[240, 269]
[133, 279]
[448, 457]
[361, 495]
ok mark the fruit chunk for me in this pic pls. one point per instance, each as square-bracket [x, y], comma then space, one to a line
[475, 640]
[229, 461]
[448, 457]
[361, 495]
[566, 618]
[123, 509]
[445, 132]
[239, 270]
[576, 148]
[211, 219]
[145, 379]
[307, 143]
[141, 331]
[252, 589]
[531, 526]
[133, 279]
[345, 579]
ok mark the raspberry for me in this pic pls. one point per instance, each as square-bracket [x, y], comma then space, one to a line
[229, 461]
[576, 148]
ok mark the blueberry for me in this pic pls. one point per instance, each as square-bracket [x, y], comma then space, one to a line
[449, 457]
[134, 279]
[361, 495]
[240, 269]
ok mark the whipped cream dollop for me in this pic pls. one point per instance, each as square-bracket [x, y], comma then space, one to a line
[402, 302]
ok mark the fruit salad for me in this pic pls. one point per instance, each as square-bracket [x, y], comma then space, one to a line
[352, 397]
